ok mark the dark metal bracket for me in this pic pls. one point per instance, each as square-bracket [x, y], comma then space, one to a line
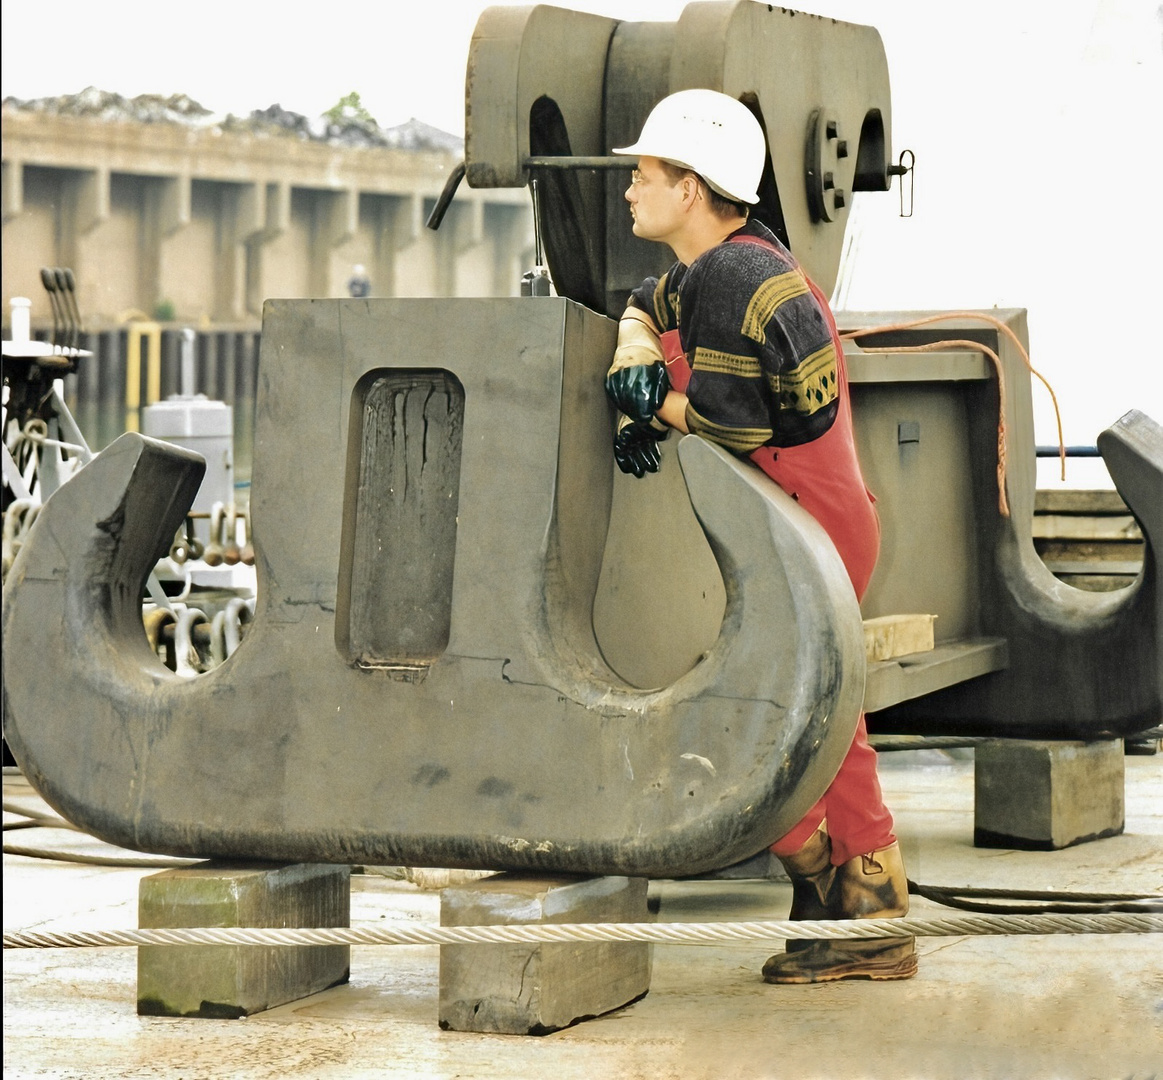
[902, 170]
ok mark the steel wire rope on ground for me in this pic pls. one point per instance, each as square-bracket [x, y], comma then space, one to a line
[712, 933]
[36, 819]
[1038, 902]
[144, 863]
[1048, 902]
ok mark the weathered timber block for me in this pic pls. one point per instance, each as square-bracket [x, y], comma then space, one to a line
[538, 989]
[1047, 795]
[236, 980]
[888, 636]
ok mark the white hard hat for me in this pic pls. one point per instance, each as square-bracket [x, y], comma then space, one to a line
[710, 133]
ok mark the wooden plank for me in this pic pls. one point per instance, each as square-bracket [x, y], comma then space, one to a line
[1086, 527]
[1105, 567]
[897, 635]
[1072, 501]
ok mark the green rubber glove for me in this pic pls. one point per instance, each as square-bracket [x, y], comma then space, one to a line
[638, 390]
[636, 448]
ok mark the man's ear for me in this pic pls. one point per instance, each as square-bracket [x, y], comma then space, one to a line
[690, 189]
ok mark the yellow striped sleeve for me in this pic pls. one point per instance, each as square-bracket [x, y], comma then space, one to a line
[737, 440]
[812, 385]
[724, 363]
[661, 312]
[767, 299]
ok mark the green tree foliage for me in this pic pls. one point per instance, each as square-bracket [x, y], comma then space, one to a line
[348, 110]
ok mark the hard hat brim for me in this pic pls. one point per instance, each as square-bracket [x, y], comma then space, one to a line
[640, 150]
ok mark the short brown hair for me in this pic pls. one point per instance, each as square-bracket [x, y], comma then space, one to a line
[721, 206]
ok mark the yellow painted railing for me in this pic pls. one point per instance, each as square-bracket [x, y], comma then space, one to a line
[151, 332]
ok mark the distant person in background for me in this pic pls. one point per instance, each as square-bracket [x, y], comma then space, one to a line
[359, 284]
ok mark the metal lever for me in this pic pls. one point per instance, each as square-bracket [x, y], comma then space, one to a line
[568, 161]
[902, 170]
[49, 280]
[535, 282]
[442, 204]
[67, 284]
[553, 162]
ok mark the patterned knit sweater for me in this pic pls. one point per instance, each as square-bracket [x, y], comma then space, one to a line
[763, 366]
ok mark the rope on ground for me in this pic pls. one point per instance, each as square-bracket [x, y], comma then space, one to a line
[124, 861]
[889, 743]
[714, 933]
[49, 821]
[1038, 901]
[37, 819]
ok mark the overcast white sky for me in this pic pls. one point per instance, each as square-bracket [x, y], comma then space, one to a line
[1037, 125]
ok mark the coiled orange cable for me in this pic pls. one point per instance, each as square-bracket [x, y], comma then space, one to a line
[852, 335]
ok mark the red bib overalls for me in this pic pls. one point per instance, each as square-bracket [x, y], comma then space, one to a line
[824, 477]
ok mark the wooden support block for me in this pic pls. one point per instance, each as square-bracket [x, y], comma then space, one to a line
[229, 981]
[538, 989]
[897, 635]
[1044, 796]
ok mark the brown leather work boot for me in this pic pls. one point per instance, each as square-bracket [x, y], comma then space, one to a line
[871, 886]
[812, 878]
[874, 886]
[830, 961]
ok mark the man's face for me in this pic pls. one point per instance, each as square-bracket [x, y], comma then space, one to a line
[656, 201]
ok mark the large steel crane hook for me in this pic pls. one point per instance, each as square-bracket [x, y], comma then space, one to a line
[479, 725]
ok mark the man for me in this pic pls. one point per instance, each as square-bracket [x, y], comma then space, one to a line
[735, 344]
[359, 284]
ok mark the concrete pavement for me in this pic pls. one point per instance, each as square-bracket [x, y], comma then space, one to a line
[1032, 1007]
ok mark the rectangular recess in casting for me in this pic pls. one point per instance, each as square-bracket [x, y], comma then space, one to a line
[398, 547]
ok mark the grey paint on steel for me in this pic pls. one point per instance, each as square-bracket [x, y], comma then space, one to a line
[516, 746]
[1081, 665]
[1133, 451]
[799, 73]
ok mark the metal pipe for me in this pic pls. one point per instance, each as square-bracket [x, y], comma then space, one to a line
[188, 380]
[442, 203]
[21, 315]
[535, 282]
[566, 161]
[537, 262]
[1071, 451]
[132, 377]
